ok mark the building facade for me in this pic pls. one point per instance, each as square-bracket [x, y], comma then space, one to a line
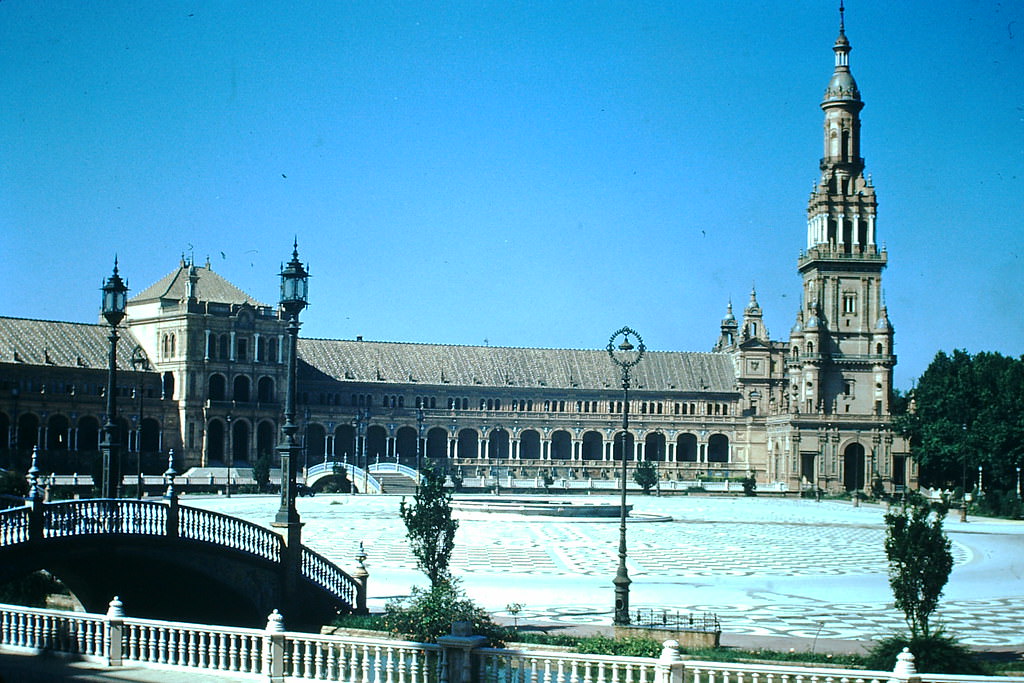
[810, 412]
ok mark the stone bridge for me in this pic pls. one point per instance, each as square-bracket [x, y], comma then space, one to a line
[175, 562]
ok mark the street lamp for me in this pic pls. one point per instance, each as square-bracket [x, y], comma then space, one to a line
[625, 356]
[139, 363]
[963, 483]
[230, 454]
[362, 417]
[115, 301]
[294, 297]
[420, 417]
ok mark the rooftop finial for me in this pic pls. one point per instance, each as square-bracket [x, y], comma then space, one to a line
[842, 21]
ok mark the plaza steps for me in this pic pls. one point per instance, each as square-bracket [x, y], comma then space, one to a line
[395, 483]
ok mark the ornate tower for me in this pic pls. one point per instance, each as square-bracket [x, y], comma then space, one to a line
[841, 346]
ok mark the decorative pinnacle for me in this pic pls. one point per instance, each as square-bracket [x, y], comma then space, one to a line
[842, 19]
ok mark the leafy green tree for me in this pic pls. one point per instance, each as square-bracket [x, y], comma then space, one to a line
[919, 562]
[430, 526]
[965, 412]
[645, 475]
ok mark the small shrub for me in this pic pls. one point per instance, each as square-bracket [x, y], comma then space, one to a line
[367, 622]
[934, 654]
[623, 647]
[749, 485]
[428, 614]
[31, 590]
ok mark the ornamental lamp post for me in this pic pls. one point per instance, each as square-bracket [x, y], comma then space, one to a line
[420, 417]
[115, 301]
[294, 298]
[626, 357]
[963, 473]
[139, 363]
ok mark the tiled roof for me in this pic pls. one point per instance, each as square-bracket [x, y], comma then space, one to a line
[209, 287]
[60, 344]
[399, 363]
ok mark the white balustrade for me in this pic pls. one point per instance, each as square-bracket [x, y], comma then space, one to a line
[273, 653]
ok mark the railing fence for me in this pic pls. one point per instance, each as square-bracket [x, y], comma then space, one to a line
[275, 654]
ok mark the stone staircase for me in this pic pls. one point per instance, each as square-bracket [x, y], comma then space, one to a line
[395, 483]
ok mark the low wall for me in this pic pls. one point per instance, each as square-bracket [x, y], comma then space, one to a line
[688, 639]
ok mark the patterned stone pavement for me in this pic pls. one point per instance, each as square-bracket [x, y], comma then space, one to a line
[766, 567]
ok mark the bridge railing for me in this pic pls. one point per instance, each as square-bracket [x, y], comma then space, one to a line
[108, 516]
[328, 576]
[357, 475]
[396, 467]
[14, 525]
[213, 527]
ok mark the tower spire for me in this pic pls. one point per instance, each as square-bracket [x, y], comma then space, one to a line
[842, 19]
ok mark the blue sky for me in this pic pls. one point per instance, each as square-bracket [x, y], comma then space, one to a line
[529, 174]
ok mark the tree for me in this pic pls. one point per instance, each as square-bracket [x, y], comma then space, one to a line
[965, 412]
[261, 471]
[646, 475]
[749, 484]
[919, 562]
[430, 527]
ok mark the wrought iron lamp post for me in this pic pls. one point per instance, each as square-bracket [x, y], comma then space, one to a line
[626, 357]
[294, 297]
[963, 476]
[139, 364]
[115, 301]
[230, 456]
[420, 417]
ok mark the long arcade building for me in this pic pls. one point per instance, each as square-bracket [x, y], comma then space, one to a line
[202, 371]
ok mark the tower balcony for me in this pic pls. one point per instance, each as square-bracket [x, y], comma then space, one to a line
[832, 253]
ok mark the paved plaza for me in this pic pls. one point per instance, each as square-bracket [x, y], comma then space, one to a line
[767, 567]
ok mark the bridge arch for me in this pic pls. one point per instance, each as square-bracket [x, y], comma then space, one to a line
[171, 562]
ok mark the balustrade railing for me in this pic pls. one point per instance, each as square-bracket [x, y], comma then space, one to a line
[345, 658]
[14, 526]
[276, 654]
[225, 530]
[496, 665]
[325, 574]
